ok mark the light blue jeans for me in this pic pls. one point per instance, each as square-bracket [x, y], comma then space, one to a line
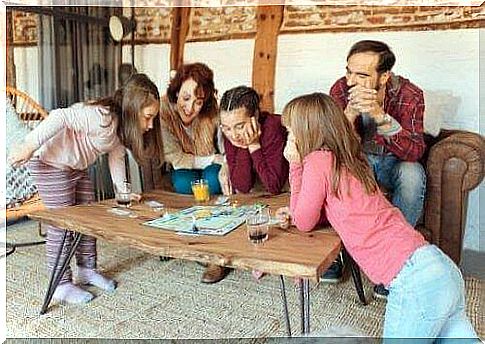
[427, 301]
[405, 180]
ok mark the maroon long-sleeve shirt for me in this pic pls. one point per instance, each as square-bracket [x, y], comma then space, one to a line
[267, 163]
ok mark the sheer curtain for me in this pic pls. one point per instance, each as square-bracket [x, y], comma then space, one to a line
[78, 61]
[77, 58]
[46, 63]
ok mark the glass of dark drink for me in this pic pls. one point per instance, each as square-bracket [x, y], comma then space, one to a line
[123, 195]
[257, 225]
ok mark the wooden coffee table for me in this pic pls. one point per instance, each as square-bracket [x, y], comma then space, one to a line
[286, 252]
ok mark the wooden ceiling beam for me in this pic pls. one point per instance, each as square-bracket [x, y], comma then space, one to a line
[180, 29]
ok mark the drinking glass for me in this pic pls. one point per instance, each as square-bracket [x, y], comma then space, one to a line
[257, 225]
[200, 189]
[123, 194]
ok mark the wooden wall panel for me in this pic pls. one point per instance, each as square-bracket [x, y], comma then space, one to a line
[10, 54]
[269, 19]
[180, 28]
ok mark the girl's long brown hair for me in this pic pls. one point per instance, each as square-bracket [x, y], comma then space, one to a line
[318, 123]
[126, 104]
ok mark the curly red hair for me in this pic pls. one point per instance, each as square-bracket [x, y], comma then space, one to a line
[204, 77]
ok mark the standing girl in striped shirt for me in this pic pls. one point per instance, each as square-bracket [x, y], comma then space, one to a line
[62, 147]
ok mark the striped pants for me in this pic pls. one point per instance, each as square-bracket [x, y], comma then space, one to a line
[58, 189]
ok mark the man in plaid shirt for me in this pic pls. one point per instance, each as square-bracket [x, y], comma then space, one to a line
[387, 111]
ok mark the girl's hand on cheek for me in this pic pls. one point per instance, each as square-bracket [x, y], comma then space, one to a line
[291, 152]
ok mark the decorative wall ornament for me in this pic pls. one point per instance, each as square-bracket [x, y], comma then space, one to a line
[24, 28]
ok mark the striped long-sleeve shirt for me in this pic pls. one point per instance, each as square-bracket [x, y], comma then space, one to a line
[404, 102]
[73, 138]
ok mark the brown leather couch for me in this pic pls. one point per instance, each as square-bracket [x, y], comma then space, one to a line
[454, 163]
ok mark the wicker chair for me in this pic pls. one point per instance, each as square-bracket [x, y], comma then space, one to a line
[28, 109]
[31, 113]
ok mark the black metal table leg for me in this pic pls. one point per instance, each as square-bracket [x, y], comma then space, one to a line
[56, 278]
[302, 306]
[285, 305]
[305, 306]
[43, 235]
[355, 270]
[306, 298]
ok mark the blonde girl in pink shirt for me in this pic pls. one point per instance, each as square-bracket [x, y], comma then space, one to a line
[62, 147]
[331, 181]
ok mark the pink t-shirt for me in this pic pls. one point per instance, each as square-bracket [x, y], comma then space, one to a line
[374, 232]
[73, 138]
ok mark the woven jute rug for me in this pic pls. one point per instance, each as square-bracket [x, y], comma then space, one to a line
[158, 299]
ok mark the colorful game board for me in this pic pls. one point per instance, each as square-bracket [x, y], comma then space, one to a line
[205, 220]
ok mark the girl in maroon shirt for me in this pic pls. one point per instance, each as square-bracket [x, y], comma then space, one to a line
[253, 142]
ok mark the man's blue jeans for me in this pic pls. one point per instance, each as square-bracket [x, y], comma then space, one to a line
[427, 301]
[405, 180]
[181, 179]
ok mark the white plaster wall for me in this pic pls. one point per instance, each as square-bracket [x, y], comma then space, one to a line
[445, 64]
[153, 60]
[231, 61]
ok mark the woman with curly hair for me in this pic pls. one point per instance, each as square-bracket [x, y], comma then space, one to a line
[189, 122]
[189, 130]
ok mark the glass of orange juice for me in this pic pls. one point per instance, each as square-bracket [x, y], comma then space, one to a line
[200, 189]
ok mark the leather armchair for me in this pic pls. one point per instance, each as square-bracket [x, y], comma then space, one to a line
[454, 163]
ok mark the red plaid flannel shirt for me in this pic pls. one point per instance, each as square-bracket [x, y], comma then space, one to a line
[404, 102]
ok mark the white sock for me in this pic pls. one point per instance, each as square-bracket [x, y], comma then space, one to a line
[90, 276]
[70, 293]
